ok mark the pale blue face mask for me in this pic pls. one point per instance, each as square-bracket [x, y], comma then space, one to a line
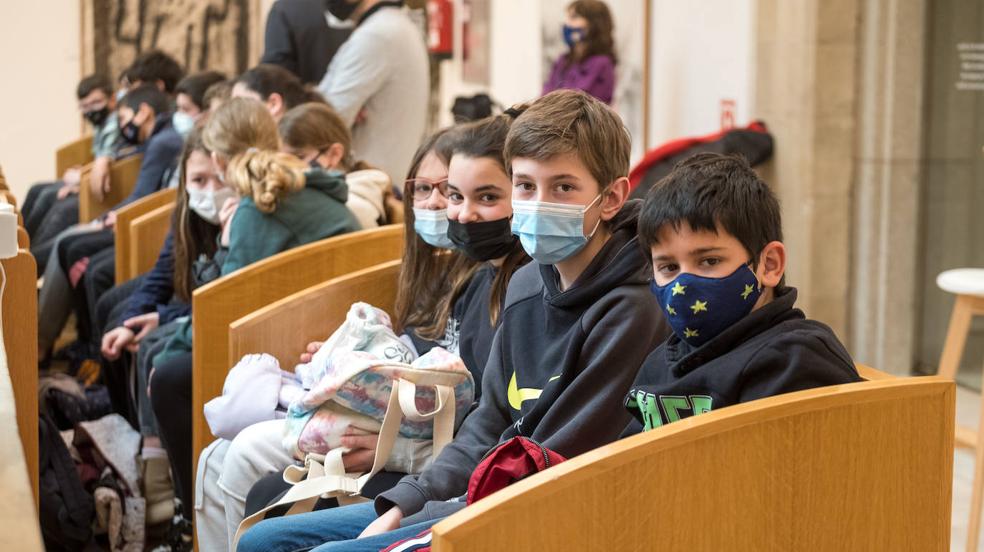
[432, 227]
[182, 122]
[551, 232]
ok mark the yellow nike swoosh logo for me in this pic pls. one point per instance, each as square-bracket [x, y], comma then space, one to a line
[518, 396]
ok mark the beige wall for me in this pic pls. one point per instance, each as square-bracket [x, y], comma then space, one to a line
[39, 54]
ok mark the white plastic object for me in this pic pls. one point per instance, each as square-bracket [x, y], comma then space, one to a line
[8, 231]
[962, 281]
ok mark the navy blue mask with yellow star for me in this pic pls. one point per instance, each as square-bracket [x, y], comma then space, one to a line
[699, 308]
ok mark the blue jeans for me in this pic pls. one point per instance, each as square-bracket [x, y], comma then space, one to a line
[324, 531]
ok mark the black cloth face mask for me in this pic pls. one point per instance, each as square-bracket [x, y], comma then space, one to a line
[97, 116]
[482, 241]
[341, 9]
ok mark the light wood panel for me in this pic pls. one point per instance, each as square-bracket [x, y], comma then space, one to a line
[23, 240]
[218, 304]
[77, 153]
[284, 328]
[20, 337]
[132, 250]
[863, 466]
[122, 176]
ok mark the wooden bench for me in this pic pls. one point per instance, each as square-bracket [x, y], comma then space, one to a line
[863, 466]
[20, 337]
[73, 154]
[222, 302]
[122, 176]
[19, 529]
[141, 228]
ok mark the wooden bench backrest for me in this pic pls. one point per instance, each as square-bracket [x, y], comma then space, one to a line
[866, 466]
[19, 528]
[73, 154]
[122, 176]
[23, 240]
[219, 303]
[283, 329]
[132, 250]
[20, 337]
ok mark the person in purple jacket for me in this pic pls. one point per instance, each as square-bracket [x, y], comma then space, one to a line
[589, 65]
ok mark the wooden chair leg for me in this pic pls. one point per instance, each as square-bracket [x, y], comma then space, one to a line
[956, 336]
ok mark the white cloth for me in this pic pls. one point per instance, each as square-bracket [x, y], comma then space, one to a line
[378, 83]
[251, 394]
[366, 191]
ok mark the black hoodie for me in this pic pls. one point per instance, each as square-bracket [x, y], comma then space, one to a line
[561, 362]
[773, 350]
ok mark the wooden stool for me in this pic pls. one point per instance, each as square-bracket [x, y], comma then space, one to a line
[968, 285]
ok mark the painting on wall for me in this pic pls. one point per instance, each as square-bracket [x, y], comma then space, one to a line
[222, 35]
[630, 28]
[476, 36]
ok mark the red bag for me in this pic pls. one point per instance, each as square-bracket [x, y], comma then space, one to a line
[512, 461]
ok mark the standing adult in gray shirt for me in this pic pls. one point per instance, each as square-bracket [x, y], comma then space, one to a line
[378, 83]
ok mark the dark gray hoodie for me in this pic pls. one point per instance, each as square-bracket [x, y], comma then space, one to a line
[560, 365]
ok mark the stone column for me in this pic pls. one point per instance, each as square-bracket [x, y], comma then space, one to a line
[806, 82]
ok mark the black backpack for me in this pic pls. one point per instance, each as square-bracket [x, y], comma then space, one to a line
[66, 509]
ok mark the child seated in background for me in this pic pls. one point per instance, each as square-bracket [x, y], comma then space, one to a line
[714, 233]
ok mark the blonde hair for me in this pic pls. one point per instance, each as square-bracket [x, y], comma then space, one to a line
[266, 176]
[316, 125]
[238, 125]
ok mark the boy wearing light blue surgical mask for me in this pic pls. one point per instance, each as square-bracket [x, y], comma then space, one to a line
[714, 233]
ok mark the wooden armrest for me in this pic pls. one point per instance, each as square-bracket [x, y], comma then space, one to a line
[73, 154]
[284, 328]
[123, 178]
[128, 246]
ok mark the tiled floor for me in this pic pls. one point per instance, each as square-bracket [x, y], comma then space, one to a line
[968, 413]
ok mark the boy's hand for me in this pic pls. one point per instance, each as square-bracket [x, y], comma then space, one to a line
[310, 350]
[384, 524]
[72, 176]
[67, 190]
[110, 220]
[99, 177]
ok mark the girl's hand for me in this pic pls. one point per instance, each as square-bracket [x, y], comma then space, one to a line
[310, 350]
[146, 323]
[362, 450]
[115, 340]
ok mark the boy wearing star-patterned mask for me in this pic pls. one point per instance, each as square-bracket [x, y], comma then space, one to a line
[714, 233]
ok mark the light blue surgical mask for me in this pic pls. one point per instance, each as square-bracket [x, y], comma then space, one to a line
[182, 122]
[551, 232]
[432, 227]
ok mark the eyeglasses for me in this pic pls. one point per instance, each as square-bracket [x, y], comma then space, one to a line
[422, 188]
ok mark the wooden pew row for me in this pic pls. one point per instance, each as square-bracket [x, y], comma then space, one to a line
[19, 529]
[284, 328]
[123, 177]
[77, 153]
[23, 240]
[140, 231]
[867, 465]
[20, 336]
[219, 303]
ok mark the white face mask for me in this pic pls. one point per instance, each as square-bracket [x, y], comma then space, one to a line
[208, 203]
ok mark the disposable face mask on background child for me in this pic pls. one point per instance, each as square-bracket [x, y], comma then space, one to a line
[97, 116]
[131, 133]
[551, 232]
[482, 241]
[699, 309]
[432, 227]
[182, 122]
[208, 203]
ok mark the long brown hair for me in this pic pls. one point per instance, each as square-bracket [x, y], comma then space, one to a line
[486, 138]
[316, 125]
[428, 273]
[598, 41]
[193, 235]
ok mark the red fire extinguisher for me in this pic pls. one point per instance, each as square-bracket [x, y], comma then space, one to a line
[440, 28]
